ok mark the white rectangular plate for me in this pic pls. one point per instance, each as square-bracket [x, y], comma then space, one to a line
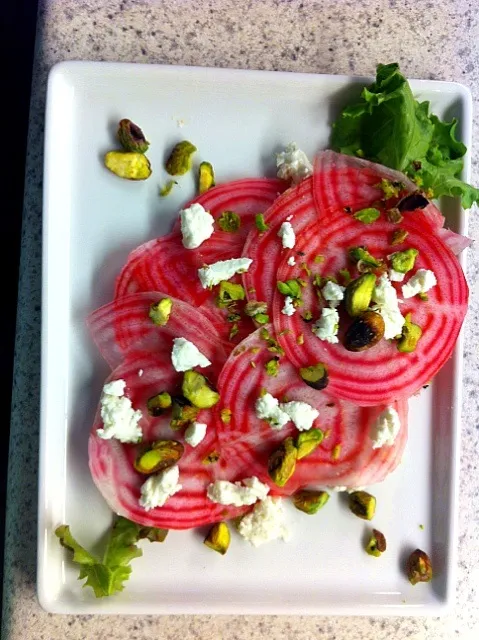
[237, 119]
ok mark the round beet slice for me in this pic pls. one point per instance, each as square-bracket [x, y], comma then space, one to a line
[112, 463]
[123, 327]
[380, 374]
[345, 457]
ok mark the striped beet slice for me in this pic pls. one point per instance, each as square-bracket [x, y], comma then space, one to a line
[265, 249]
[123, 327]
[341, 181]
[249, 440]
[111, 462]
[381, 373]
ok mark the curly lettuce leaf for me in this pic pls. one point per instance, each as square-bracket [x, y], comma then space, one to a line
[107, 576]
[387, 125]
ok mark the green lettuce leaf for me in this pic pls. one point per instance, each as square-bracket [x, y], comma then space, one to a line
[387, 125]
[108, 576]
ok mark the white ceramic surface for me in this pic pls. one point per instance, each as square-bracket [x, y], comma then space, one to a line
[237, 119]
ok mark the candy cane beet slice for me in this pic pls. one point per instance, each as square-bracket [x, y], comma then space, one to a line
[380, 374]
[345, 457]
[111, 462]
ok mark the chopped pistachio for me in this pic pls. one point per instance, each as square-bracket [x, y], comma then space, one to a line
[218, 538]
[410, 336]
[315, 376]
[423, 296]
[421, 526]
[307, 316]
[160, 311]
[272, 367]
[159, 456]
[310, 501]
[153, 534]
[390, 189]
[253, 307]
[399, 236]
[156, 405]
[255, 350]
[367, 215]
[211, 458]
[181, 158]
[233, 317]
[131, 137]
[196, 389]
[229, 221]
[318, 281]
[308, 441]
[228, 293]
[318, 259]
[376, 544]
[345, 275]
[361, 254]
[260, 223]
[336, 452]
[129, 165]
[206, 177]
[233, 331]
[225, 415]
[182, 413]
[300, 339]
[304, 267]
[364, 332]
[167, 188]
[261, 318]
[394, 216]
[358, 294]
[362, 504]
[290, 288]
[403, 261]
[419, 568]
[282, 463]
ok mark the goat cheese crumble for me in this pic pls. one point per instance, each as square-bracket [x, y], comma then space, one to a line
[158, 488]
[293, 164]
[213, 274]
[387, 306]
[420, 282]
[385, 428]
[185, 355]
[288, 308]
[196, 226]
[119, 419]
[195, 433]
[333, 293]
[238, 494]
[265, 523]
[327, 327]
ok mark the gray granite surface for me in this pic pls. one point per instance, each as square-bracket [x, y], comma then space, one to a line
[431, 39]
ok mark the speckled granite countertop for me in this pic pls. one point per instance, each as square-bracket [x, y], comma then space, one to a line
[430, 39]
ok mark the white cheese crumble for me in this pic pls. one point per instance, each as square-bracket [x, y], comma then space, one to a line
[158, 488]
[293, 164]
[333, 293]
[387, 305]
[288, 309]
[396, 276]
[301, 413]
[119, 419]
[140, 372]
[244, 492]
[326, 328]
[420, 282]
[196, 226]
[291, 261]
[213, 274]
[265, 523]
[267, 408]
[287, 235]
[185, 355]
[195, 433]
[385, 428]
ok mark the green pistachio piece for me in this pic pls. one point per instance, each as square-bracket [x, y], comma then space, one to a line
[181, 158]
[167, 188]
[368, 215]
[310, 501]
[182, 413]
[345, 275]
[403, 261]
[206, 177]
[290, 288]
[390, 189]
[308, 441]
[362, 255]
[410, 336]
[315, 376]
[196, 389]
[364, 332]
[362, 504]
[260, 223]
[131, 137]
[261, 318]
[282, 463]
[130, 165]
[229, 221]
[399, 236]
[159, 456]
[156, 405]
[252, 308]
[229, 293]
[160, 311]
[419, 568]
[218, 538]
[272, 367]
[358, 294]
[376, 544]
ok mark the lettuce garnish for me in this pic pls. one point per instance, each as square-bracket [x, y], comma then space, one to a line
[388, 125]
[107, 576]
